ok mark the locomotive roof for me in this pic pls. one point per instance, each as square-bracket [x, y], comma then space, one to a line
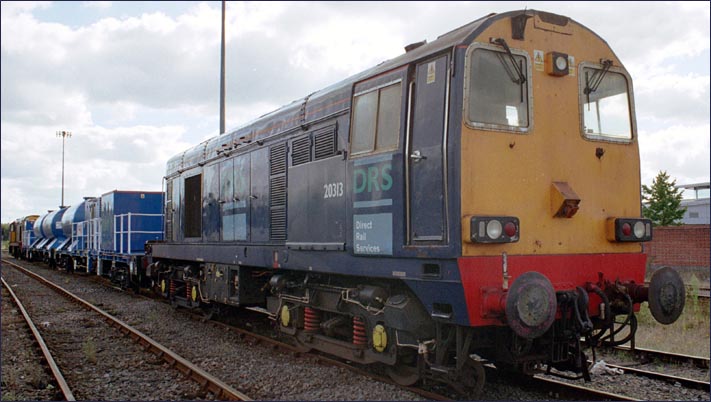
[321, 103]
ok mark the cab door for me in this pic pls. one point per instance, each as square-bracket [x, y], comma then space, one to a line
[426, 161]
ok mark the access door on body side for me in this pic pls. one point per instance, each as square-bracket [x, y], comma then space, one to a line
[426, 153]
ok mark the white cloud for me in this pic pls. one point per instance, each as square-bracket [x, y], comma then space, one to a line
[681, 150]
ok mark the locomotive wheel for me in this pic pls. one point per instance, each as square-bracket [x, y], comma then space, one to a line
[403, 374]
[301, 346]
[471, 378]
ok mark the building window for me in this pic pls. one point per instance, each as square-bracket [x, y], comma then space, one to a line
[376, 120]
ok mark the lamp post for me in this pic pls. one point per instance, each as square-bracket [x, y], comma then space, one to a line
[64, 135]
[222, 73]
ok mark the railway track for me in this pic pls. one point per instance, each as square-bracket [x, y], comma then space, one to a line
[564, 390]
[554, 388]
[56, 372]
[646, 354]
[550, 386]
[207, 382]
[683, 381]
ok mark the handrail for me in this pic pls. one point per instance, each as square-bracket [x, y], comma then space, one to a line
[120, 230]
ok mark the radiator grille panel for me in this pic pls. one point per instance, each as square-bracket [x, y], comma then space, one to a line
[278, 223]
[277, 191]
[277, 157]
[301, 151]
[325, 143]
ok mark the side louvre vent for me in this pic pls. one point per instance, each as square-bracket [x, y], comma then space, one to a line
[301, 151]
[325, 142]
[277, 158]
[278, 191]
[278, 222]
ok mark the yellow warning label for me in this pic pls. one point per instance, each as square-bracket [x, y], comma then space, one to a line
[538, 60]
[571, 66]
[430, 72]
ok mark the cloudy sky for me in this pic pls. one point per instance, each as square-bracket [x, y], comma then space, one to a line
[138, 82]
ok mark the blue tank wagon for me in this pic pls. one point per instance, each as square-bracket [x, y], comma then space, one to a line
[72, 218]
[48, 231]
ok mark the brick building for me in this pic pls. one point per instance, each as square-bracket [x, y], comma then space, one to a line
[686, 248]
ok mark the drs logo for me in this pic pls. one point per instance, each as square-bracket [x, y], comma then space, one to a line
[372, 178]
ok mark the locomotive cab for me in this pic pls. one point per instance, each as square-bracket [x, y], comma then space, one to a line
[553, 244]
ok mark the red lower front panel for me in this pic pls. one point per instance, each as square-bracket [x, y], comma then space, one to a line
[484, 276]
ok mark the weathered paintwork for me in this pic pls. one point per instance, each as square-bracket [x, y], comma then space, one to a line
[403, 213]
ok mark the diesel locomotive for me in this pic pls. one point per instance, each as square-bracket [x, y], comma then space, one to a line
[475, 200]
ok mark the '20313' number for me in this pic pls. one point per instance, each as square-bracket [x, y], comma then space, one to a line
[333, 190]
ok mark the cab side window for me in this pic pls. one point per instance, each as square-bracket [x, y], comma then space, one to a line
[376, 120]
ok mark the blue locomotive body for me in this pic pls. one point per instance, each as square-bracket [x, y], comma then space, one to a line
[328, 219]
[283, 192]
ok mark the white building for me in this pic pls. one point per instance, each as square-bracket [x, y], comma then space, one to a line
[697, 202]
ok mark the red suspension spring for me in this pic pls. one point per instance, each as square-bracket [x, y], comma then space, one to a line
[359, 336]
[172, 288]
[312, 319]
[188, 291]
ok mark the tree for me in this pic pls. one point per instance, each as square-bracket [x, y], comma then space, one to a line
[662, 201]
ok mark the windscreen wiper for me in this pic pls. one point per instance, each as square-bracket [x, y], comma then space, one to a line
[521, 80]
[592, 83]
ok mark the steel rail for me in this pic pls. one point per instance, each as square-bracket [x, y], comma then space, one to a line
[221, 390]
[697, 361]
[257, 339]
[686, 382]
[56, 372]
[586, 393]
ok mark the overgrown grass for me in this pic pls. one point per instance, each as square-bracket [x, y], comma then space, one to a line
[89, 348]
[689, 335]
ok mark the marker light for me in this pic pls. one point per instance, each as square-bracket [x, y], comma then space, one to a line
[510, 229]
[556, 64]
[639, 229]
[494, 229]
[628, 229]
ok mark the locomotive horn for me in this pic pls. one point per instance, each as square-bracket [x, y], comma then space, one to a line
[531, 305]
[667, 295]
